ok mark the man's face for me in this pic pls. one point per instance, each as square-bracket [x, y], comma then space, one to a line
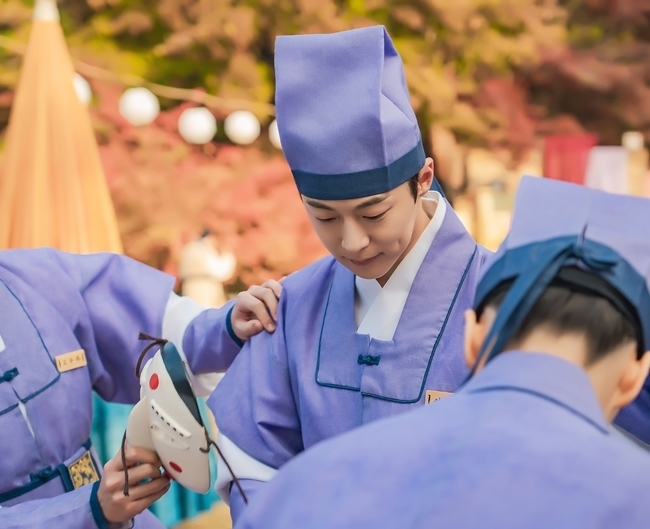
[367, 235]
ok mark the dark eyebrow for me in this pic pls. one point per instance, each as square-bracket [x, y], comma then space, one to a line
[366, 203]
[316, 204]
[371, 201]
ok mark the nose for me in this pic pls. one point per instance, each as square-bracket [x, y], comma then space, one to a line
[353, 238]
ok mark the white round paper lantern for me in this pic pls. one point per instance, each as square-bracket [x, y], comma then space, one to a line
[81, 86]
[632, 141]
[139, 106]
[274, 134]
[197, 125]
[242, 127]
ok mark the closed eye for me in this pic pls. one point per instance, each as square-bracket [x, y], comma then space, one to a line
[376, 217]
[325, 221]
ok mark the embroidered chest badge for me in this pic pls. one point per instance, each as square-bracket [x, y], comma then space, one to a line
[70, 361]
[434, 396]
[83, 471]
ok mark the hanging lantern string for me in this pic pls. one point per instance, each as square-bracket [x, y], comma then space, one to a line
[170, 92]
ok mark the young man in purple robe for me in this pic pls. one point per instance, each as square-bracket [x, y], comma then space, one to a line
[560, 343]
[69, 325]
[374, 329]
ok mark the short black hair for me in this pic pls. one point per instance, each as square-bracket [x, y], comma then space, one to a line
[564, 311]
[413, 185]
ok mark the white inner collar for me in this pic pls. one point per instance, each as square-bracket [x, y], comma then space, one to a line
[377, 309]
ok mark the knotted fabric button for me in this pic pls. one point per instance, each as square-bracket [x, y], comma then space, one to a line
[368, 360]
[9, 375]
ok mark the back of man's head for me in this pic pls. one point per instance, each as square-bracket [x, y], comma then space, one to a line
[560, 311]
[572, 280]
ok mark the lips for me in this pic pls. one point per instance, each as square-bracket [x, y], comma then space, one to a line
[364, 262]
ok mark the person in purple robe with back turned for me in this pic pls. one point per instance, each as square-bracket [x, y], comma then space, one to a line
[560, 342]
[375, 328]
[69, 325]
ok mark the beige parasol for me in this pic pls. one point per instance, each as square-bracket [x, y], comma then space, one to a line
[52, 186]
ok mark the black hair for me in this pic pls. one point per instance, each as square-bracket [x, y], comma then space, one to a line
[564, 311]
[413, 186]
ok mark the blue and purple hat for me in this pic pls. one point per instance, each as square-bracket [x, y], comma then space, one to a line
[344, 114]
[580, 238]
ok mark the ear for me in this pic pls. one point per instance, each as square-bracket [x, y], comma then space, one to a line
[425, 177]
[473, 338]
[631, 382]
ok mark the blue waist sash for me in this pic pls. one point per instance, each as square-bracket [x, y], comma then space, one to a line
[81, 469]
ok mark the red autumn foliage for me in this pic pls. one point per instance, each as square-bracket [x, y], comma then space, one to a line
[499, 75]
[167, 192]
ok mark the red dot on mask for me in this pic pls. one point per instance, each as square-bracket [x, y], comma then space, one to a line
[154, 381]
[176, 467]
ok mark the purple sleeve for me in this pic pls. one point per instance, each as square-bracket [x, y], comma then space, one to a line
[122, 298]
[254, 404]
[78, 509]
[210, 343]
[237, 504]
[73, 510]
[107, 300]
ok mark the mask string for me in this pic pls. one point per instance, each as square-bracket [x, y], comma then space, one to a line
[210, 442]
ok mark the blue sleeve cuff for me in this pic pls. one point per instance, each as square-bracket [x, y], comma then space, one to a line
[98, 514]
[96, 508]
[231, 331]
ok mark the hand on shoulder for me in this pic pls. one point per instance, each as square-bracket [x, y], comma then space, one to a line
[256, 309]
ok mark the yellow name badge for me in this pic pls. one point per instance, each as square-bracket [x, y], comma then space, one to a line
[434, 396]
[70, 361]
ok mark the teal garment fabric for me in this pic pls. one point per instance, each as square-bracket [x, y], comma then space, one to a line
[109, 423]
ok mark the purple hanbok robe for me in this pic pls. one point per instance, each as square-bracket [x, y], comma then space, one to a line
[304, 383]
[524, 444]
[52, 303]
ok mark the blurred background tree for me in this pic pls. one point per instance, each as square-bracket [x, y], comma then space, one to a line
[490, 73]
[602, 76]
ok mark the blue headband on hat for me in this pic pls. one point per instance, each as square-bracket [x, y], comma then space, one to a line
[534, 267]
[617, 256]
[344, 114]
